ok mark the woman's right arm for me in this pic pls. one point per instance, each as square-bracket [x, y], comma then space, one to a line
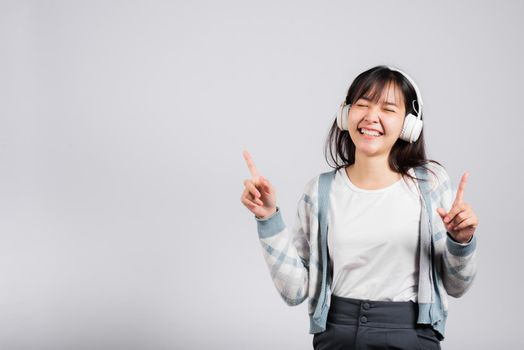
[287, 256]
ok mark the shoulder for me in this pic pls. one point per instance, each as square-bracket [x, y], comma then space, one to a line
[310, 190]
[437, 175]
[439, 171]
[311, 187]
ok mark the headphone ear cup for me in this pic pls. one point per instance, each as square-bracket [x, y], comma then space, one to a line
[342, 117]
[411, 129]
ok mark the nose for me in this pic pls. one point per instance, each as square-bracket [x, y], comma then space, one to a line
[372, 114]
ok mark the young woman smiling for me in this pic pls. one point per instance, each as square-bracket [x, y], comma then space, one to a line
[380, 241]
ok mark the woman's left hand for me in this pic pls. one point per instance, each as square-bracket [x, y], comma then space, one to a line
[461, 222]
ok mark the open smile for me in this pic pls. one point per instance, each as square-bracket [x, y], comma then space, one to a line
[369, 134]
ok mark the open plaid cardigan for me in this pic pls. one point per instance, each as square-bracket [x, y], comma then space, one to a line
[299, 264]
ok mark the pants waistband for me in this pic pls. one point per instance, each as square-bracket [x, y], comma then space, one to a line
[387, 314]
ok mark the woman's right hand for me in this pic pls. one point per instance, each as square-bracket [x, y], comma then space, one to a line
[259, 195]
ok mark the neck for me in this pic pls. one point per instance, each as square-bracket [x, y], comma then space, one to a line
[372, 170]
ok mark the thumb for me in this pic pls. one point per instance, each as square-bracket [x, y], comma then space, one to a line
[441, 212]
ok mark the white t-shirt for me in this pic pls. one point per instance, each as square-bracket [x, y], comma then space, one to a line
[373, 240]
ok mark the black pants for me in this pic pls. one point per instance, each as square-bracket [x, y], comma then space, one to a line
[366, 324]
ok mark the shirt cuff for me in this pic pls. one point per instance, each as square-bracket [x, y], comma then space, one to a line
[461, 249]
[271, 225]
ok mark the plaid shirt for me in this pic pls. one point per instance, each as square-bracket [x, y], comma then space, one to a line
[298, 263]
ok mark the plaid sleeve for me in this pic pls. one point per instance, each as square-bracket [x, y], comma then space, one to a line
[287, 253]
[459, 262]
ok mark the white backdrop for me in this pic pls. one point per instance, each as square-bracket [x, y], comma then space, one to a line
[122, 125]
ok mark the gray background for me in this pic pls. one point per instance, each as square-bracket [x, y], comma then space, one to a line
[122, 126]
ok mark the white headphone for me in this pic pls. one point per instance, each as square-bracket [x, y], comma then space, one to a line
[412, 126]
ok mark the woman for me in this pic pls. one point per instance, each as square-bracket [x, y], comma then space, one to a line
[400, 238]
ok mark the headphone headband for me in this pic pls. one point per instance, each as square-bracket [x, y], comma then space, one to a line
[417, 91]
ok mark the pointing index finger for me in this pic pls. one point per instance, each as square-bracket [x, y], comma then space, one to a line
[250, 164]
[460, 191]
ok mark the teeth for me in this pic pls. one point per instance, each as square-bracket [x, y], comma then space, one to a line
[371, 133]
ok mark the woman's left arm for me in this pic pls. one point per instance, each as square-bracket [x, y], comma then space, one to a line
[459, 258]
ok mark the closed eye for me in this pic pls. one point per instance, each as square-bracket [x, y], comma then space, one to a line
[361, 105]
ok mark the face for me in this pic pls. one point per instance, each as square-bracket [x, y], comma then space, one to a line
[386, 117]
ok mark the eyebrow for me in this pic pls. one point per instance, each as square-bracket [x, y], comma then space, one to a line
[387, 103]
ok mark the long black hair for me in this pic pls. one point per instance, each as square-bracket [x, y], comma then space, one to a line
[403, 155]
